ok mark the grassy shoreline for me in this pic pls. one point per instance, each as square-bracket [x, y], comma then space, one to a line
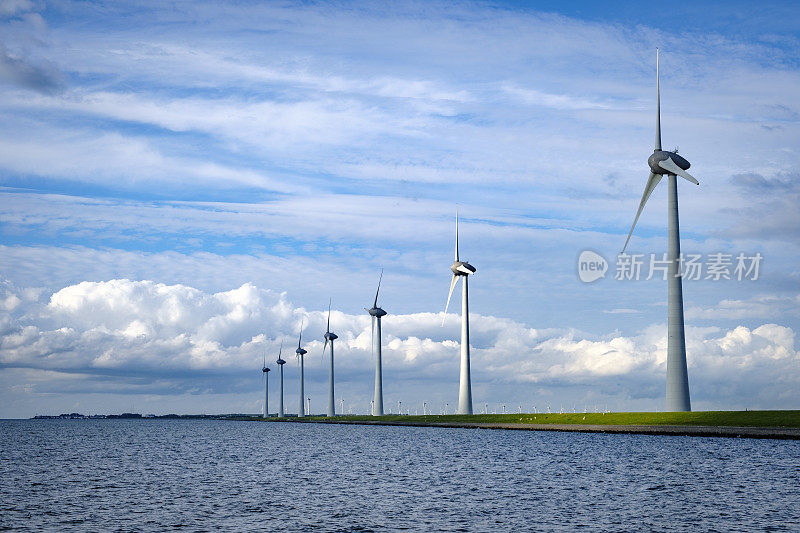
[754, 419]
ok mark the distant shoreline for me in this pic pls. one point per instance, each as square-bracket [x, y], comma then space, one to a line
[745, 424]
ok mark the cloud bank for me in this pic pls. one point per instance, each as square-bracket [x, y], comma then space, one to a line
[122, 329]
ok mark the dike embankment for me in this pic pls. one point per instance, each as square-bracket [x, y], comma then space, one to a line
[678, 430]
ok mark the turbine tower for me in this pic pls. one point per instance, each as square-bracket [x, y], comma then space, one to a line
[265, 377]
[670, 164]
[329, 338]
[280, 363]
[299, 353]
[462, 269]
[376, 313]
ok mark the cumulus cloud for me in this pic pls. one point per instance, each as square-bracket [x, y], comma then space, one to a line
[174, 332]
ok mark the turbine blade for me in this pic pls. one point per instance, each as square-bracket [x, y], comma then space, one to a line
[379, 290]
[373, 337]
[456, 234]
[670, 166]
[325, 347]
[452, 286]
[301, 332]
[658, 106]
[328, 329]
[652, 181]
[465, 270]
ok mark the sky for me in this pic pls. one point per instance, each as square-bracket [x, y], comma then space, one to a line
[184, 183]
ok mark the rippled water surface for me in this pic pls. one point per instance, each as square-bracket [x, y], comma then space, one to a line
[197, 475]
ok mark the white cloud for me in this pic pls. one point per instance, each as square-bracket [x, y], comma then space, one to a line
[12, 7]
[761, 306]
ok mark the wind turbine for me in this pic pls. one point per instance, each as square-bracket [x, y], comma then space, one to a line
[462, 269]
[265, 377]
[299, 353]
[280, 363]
[329, 338]
[376, 313]
[670, 164]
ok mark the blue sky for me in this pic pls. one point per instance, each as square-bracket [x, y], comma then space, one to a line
[182, 184]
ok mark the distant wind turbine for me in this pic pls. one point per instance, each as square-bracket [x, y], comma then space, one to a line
[280, 362]
[265, 377]
[670, 164]
[377, 313]
[299, 353]
[329, 338]
[462, 269]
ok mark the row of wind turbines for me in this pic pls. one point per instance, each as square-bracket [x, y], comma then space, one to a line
[662, 163]
[460, 269]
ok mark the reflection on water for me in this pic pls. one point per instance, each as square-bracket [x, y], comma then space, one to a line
[152, 475]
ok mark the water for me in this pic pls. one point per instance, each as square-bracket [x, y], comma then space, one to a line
[202, 475]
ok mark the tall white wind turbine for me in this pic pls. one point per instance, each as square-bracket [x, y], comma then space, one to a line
[670, 164]
[329, 338]
[462, 269]
[299, 353]
[265, 377]
[377, 313]
[280, 362]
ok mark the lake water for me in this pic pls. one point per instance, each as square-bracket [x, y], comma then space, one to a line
[203, 475]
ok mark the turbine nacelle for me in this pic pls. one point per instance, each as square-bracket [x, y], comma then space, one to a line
[462, 268]
[376, 311]
[330, 336]
[664, 163]
[265, 369]
[300, 351]
[662, 155]
[280, 361]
